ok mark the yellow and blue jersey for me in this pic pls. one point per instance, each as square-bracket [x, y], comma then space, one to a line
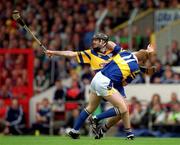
[97, 60]
[123, 67]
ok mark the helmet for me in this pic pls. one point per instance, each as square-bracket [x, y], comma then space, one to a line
[101, 36]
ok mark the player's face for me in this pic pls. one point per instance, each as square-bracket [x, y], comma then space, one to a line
[95, 43]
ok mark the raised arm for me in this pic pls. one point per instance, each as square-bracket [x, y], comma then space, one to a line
[61, 53]
[151, 50]
[143, 55]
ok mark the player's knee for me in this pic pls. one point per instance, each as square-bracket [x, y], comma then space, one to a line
[122, 110]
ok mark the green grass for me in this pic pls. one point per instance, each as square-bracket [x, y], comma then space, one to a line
[47, 140]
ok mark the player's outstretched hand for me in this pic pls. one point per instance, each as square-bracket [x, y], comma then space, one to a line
[150, 48]
[49, 53]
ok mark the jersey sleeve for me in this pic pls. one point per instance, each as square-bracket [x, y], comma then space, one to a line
[143, 69]
[84, 56]
[116, 50]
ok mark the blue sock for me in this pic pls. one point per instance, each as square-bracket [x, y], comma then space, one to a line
[81, 119]
[109, 113]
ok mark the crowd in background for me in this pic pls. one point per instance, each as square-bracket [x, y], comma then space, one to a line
[163, 119]
[152, 118]
[70, 25]
[13, 76]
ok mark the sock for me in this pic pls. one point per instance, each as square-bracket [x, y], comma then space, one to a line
[109, 113]
[81, 119]
[128, 131]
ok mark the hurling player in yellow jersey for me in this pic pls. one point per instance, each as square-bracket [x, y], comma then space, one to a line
[101, 53]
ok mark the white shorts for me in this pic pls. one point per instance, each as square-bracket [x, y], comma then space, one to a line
[100, 85]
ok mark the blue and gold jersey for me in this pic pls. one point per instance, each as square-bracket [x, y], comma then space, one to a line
[123, 67]
[97, 60]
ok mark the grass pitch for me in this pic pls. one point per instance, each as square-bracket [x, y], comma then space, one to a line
[55, 140]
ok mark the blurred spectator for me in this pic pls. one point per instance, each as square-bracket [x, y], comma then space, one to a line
[41, 82]
[15, 121]
[162, 4]
[168, 75]
[137, 40]
[174, 115]
[101, 8]
[156, 77]
[4, 75]
[1, 62]
[43, 117]
[86, 76]
[149, 4]
[9, 63]
[132, 103]
[176, 78]
[174, 4]
[175, 53]
[172, 55]
[156, 99]
[46, 68]
[74, 85]
[74, 92]
[3, 110]
[89, 34]
[174, 98]
[61, 69]
[124, 38]
[137, 116]
[59, 102]
[157, 114]
[5, 93]
[60, 92]
[37, 65]
[59, 98]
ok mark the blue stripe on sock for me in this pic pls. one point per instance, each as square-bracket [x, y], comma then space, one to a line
[81, 119]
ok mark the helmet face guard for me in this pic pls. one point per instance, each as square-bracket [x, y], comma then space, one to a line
[100, 37]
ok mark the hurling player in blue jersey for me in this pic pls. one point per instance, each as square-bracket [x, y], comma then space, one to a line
[107, 84]
[98, 129]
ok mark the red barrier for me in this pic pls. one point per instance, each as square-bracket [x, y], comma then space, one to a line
[27, 89]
